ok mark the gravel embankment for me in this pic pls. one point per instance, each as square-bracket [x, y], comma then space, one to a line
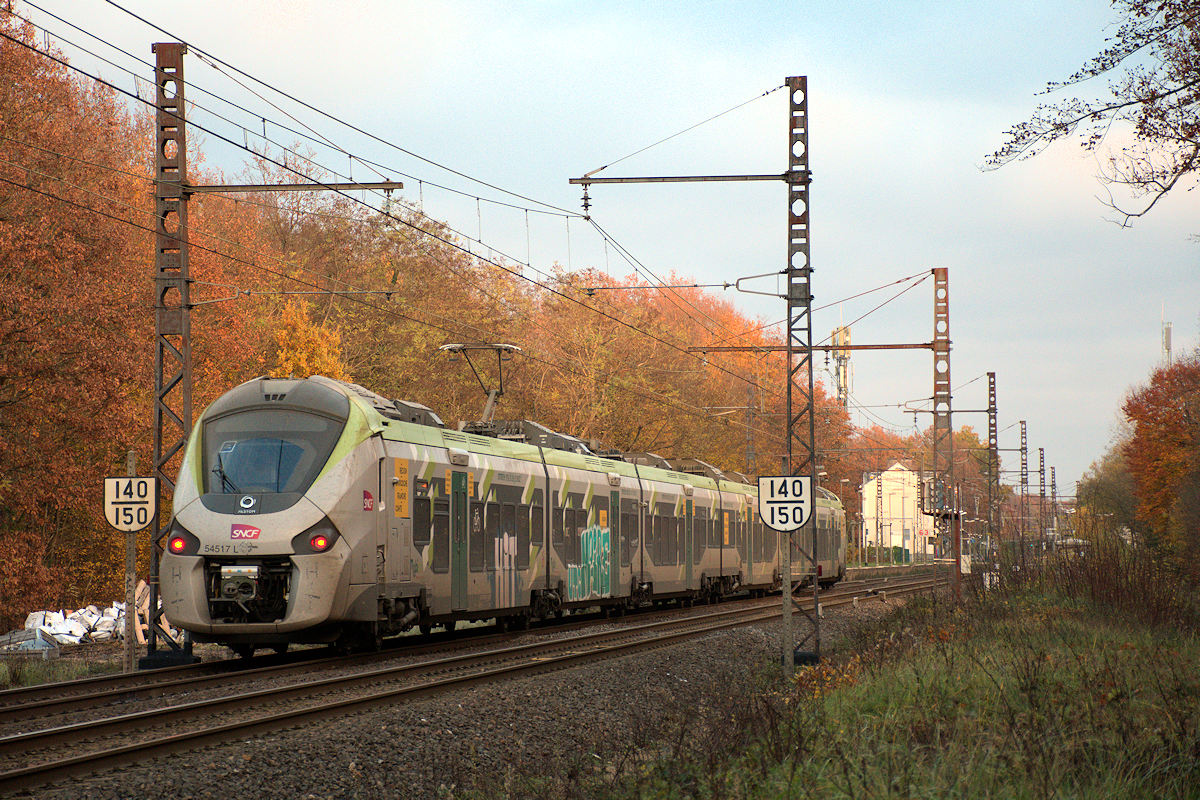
[548, 724]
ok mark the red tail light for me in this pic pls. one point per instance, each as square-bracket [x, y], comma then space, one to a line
[181, 542]
[319, 538]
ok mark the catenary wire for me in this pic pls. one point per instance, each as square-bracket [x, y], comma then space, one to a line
[687, 129]
[680, 405]
[324, 140]
[334, 118]
[318, 184]
[280, 145]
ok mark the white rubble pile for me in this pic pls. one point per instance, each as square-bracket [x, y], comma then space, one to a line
[93, 624]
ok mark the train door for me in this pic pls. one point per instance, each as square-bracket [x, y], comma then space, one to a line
[689, 544]
[614, 543]
[458, 541]
[396, 522]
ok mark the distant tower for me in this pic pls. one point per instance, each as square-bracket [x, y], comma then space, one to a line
[1166, 343]
[841, 365]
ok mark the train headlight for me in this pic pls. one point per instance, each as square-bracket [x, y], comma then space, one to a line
[181, 542]
[317, 539]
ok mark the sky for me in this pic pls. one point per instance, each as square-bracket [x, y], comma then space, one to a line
[906, 99]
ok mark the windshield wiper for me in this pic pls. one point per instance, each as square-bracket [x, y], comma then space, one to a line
[226, 483]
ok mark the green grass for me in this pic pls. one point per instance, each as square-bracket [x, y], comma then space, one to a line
[1073, 679]
[18, 671]
[1038, 700]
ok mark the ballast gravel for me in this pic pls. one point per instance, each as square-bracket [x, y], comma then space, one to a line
[551, 725]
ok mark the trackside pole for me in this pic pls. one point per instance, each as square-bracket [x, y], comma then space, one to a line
[129, 660]
[786, 640]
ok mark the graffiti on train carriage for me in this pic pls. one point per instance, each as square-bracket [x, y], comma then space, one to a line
[591, 577]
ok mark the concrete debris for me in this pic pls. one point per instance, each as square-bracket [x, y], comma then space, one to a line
[88, 624]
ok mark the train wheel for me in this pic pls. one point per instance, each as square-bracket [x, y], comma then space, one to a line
[280, 649]
[243, 650]
[426, 628]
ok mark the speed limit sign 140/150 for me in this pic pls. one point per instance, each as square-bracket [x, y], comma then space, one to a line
[784, 501]
[130, 504]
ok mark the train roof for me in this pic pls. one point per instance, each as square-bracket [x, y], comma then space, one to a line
[527, 440]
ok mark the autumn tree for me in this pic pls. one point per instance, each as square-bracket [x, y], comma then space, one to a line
[1153, 63]
[1106, 495]
[74, 294]
[305, 348]
[76, 328]
[1163, 457]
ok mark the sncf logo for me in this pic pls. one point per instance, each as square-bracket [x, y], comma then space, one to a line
[244, 532]
[368, 501]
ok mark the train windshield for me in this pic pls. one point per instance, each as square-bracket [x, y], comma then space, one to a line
[259, 452]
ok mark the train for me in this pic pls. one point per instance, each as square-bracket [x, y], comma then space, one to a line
[316, 511]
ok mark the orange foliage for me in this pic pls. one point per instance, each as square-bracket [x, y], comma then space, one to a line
[76, 330]
[305, 349]
[1163, 456]
[74, 327]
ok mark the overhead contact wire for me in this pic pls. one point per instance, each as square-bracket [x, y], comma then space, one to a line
[319, 184]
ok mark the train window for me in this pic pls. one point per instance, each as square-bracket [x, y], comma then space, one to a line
[653, 535]
[668, 542]
[681, 538]
[556, 528]
[756, 539]
[743, 543]
[659, 525]
[537, 523]
[519, 519]
[441, 535]
[491, 539]
[671, 537]
[628, 521]
[648, 521]
[667, 547]
[698, 540]
[475, 536]
[420, 533]
[255, 452]
[569, 536]
[575, 532]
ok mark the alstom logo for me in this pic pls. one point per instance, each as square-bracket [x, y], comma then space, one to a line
[244, 532]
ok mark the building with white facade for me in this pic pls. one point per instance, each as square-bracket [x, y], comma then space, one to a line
[892, 515]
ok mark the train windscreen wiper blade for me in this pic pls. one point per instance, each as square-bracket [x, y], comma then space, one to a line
[226, 483]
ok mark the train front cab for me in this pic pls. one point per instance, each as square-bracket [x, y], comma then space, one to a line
[266, 529]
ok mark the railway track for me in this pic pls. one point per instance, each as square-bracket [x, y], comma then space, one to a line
[291, 694]
[19, 706]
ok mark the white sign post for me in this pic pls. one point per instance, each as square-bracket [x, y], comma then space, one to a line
[130, 504]
[784, 505]
[785, 501]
